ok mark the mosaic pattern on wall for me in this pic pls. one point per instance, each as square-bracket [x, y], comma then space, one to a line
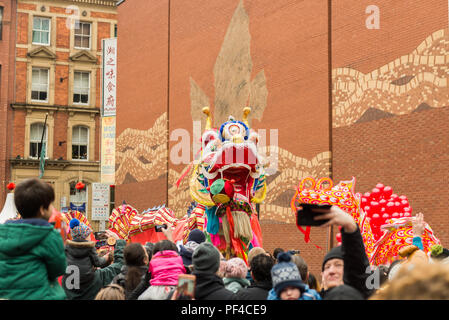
[141, 155]
[417, 80]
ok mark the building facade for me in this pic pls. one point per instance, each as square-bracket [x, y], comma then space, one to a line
[58, 85]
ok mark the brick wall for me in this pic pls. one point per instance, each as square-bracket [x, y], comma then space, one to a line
[61, 88]
[21, 81]
[60, 134]
[18, 147]
[22, 28]
[63, 33]
[410, 153]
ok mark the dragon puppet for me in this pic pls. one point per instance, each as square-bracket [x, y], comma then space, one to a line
[228, 179]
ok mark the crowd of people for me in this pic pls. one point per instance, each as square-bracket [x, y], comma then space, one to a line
[36, 264]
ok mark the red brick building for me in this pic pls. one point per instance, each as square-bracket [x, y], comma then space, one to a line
[341, 95]
[57, 79]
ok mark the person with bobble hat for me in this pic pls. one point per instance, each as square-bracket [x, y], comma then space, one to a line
[81, 254]
[287, 282]
[234, 275]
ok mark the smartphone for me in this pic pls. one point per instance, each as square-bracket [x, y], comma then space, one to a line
[159, 228]
[304, 216]
[186, 285]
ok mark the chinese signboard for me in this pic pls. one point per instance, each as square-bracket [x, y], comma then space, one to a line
[109, 77]
[107, 150]
[100, 201]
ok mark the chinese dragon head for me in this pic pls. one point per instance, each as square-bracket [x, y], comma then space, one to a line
[228, 180]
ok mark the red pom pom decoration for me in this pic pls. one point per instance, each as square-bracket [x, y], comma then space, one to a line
[112, 186]
[11, 186]
[80, 186]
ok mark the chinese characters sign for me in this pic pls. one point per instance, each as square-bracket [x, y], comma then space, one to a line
[100, 201]
[108, 150]
[109, 77]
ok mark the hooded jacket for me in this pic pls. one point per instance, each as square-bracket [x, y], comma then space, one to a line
[165, 267]
[102, 277]
[31, 259]
[83, 256]
[209, 286]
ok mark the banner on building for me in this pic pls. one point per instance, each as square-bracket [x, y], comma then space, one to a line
[107, 150]
[100, 201]
[109, 83]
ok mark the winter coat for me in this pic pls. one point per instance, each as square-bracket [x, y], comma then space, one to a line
[256, 291]
[102, 277]
[83, 256]
[165, 267]
[209, 286]
[31, 259]
[235, 284]
[120, 279]
[308, 294]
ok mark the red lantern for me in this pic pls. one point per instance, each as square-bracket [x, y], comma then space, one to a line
[404, 203]
[363, 201]
[375, 193]
[395, 215]
[367, 209]
[376, 219]
[112, 186]
[80, 186]
[383, 202]
[367, 195]
[11, 186]
[380, 186]
[338, 237]
[385, 216]
[407, 214]
[408, 209]
[374, 205]
[397, 206]
[394, 196]
[388, 191]
[403, 198]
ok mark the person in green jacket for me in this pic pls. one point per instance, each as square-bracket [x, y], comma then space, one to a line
[32, 253]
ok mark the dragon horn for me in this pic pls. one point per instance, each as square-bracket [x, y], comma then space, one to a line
[246, 112]
[206, 111]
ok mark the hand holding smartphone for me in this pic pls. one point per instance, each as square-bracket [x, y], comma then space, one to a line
[186, 286]
[305, 215]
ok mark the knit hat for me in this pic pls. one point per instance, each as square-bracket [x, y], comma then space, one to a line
[79, 230]
[438, 252]
[285, 274]
[196, 235]
[334, 253]
[235, 268]
[206, 258]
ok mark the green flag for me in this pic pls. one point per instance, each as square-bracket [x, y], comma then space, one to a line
[42, 161]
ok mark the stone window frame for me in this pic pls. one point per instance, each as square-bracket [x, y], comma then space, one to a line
[88, 142]
[35, 117]
[86, 120]
[49, 31]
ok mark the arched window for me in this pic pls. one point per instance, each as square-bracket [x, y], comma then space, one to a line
[80, 143]
[78, 198]
[36, 130]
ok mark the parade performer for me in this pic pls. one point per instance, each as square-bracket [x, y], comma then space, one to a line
[228, 179]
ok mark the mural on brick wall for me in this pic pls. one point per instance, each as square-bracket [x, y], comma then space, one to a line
[410, 83]
[141, 155]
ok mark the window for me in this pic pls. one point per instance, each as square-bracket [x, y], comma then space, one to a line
[82, 35]
[1, 22]
[80, 143]
[78, 198]
[39, 84]
[36, 130]
[41, 31]
[81, 87]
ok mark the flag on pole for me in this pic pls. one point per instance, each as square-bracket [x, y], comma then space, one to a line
[42, 161]
[42, 153]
